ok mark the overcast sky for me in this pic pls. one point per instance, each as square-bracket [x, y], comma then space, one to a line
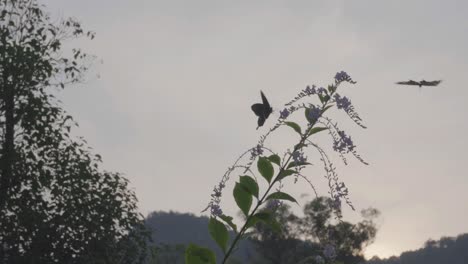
[171, 108]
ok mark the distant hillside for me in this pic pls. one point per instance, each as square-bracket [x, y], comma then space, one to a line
[447, 250]
[172, 228]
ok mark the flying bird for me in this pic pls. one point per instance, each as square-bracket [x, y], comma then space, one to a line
[262, 110]
[421, 83]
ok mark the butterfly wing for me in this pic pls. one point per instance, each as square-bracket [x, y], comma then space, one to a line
[265, 101]
[262, 110]
[261, 121]
[258, 109]
[267, 110]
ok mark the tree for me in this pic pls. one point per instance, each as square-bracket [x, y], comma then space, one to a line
[56, 205]
[350, 239]
[451, 250]
[303, 237]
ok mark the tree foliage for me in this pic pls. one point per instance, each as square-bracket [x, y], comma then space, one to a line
[56, 205]
[304, 237]
[453, 250]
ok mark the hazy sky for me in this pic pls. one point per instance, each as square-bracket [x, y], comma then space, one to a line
[171, 109]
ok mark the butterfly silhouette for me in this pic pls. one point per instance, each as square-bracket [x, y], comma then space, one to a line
[421, 83]
[262, 110]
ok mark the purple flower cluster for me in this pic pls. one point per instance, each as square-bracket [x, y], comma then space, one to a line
[273, 204]
[284, 114]
[335, 204]
[310, 90]
[344, 143]
[215, 209]
[342, 102]
[298, 157]
[313, 113]
[342, 77]
[321, 90]
[257, 151]
[340, 191]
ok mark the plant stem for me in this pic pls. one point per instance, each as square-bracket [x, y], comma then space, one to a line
[282, 168]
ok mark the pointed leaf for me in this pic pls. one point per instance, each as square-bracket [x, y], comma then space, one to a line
[228, 220]
[321, 98]
[294, 126]
[307, 115]
[249, 184]
[281, 196]
[275, 159]
[218, 232]
[285, 173]
[199, 255]
[297, 164]
[316, 130]
[265, 168]
[243, 198]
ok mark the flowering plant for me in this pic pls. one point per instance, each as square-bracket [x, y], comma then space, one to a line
[247, 190]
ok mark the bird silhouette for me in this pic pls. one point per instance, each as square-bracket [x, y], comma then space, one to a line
[421, 83]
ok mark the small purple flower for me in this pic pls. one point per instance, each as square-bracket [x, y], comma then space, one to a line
[284, 114]
[341, 188]
[310, 90]
[273, 204]
[313, 114]
[343, 77]
[298, 157]
[216, 210]
[321, 90]
[257, 151]
[217, 193]
[344, 143]
[336, 202]
[329, 251]
[342, 102]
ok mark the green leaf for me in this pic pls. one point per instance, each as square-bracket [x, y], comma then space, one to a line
[249, 184]
[199, 255]
[316, 130]
[285, 173]
[228, 220]
[243, 198]
[297, 164]
[219, 233]
[321, 98]
[265, 168]
[307, 115]
[275, 159]
[294, 126]
[281, 196]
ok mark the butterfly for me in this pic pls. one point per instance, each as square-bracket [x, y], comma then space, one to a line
[421, 83]
[262, 110]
